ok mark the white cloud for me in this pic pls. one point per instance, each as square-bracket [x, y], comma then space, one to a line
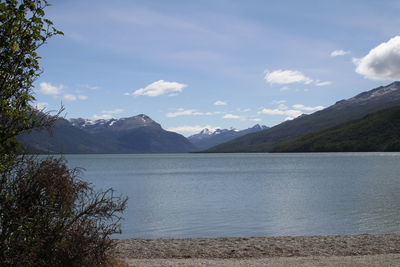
[49, 89]
[382, 62]
[220, 103]
[231, 116]
[190, 130]
[289, 112]
[114, 111]
[87, 86]
[102, 117]
[184, 112]
[297, 110]
[107, 114]
[213, 113]
[319, 83]
[306, 108]
[70, 97]
[190, 112]
[340, 52]
[277, 102]
[289, 118]
[243, 109]
[82, 97]
[40, 105]
[158, 88]
[287, 77]
[282, 106]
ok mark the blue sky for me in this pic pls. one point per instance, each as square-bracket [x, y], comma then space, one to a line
[207, 63]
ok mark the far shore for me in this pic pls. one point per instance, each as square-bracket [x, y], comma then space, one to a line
[257, 251]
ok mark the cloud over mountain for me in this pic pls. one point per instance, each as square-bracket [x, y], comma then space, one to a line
[288, 112]
[382, 62]
[220, 103]
[158, 88]
[232, 116]
[291, 76]
[282, 109]
[337, 53]
[287, 77]
[306, 108]
[193, 129]
[183, 112]
[114, 111]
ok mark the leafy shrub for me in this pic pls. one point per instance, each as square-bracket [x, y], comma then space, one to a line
[49, 217]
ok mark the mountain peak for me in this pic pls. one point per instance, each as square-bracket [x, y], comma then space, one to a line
[382, 94]
[122, 124]
[144, 117]
[207, 138]
[259, 127]
[206, 131]
[140, 120]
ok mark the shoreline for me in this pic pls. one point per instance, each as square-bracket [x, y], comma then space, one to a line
[257, 247]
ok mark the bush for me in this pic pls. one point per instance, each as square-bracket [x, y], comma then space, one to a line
[49, 217]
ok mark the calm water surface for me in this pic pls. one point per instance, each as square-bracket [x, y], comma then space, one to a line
[215, 195]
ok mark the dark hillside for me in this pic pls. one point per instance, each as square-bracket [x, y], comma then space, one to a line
[379, 131]
[341, 112]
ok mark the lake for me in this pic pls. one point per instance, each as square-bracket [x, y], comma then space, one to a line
[228, 195]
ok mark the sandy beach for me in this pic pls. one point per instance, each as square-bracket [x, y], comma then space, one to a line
[353, 250]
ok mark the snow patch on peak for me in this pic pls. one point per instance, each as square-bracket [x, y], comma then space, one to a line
[220, 131]
[206, 131]
[88, 122]
[81, 122]
[259, 127]
[385, 90]
[144, 118]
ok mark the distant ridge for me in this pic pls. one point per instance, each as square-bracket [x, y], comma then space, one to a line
[67, 139]
[137, 134]
[341, 112]
[207, 138]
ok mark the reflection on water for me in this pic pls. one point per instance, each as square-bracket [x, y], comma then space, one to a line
[210, 195]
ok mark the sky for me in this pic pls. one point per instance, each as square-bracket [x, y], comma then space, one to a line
[215, 63]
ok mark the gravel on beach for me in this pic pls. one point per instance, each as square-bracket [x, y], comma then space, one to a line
[258, 247]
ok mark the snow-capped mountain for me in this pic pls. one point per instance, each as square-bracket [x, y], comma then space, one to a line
[123, 124]
[208, 138]
[137, 134]
[383, 95]
[207, 133]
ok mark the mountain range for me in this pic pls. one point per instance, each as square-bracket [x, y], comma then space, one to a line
[341, 112]
[207, 138]
[141, 134]
[137, 134]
